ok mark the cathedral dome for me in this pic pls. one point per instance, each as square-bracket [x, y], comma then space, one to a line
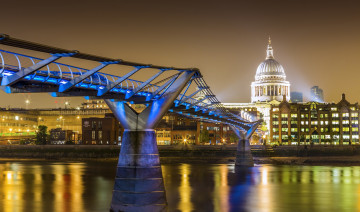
[270, 80]
[270, 69]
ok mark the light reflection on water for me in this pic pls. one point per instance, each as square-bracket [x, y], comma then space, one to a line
[87, 186]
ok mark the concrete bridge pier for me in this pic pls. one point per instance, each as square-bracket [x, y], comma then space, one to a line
[243, 154]
[139, 184]
[244, 157]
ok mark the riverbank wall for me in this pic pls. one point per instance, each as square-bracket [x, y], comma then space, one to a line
[180, 151]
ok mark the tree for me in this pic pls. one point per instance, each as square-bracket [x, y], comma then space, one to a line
[255, 138]
[41, 135]
[204, 136]
[233, 138]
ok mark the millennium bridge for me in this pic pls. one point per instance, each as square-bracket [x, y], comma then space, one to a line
[139, 183]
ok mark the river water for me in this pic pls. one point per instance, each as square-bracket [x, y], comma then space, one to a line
[87, 186]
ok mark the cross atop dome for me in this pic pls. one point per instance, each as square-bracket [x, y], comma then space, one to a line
[269, 51]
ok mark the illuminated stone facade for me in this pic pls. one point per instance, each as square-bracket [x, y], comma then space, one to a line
[315, 123]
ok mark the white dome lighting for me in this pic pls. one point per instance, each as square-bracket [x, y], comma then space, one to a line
[270, 80]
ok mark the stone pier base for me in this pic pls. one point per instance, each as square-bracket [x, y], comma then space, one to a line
[243, 154]
[139, 184]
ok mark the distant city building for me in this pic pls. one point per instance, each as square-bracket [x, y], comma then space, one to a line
[296, 97]
[101, 130]
[270, 80]
[316, 94]
[315, 123]
[60, 136]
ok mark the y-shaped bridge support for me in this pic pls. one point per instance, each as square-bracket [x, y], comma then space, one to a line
[243, 153]
[139, 183]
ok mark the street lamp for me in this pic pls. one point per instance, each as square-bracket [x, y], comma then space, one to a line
[27, 102]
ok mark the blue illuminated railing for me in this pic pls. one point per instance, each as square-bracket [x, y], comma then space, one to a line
[59, 73]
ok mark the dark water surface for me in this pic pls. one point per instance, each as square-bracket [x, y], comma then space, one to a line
[87, 186]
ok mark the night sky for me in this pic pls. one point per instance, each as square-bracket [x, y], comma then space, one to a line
[316, 41]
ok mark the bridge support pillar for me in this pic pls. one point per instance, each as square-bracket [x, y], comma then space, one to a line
[139, 184]
[243, 154]
[244, 157]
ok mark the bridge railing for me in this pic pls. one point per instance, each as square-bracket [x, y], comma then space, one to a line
[59, 73]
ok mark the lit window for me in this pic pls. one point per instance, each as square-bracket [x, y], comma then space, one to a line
[275, 122]
[333, 109]
[284, 129]
[354, 114]
[275, 129]
[354, 122]
[345, 114]
[16, 117]
[293, 122]
[302, 122]
[302, 129]
[335, 122]
[355, 129]
[284, 115]
[326, 115]
[327, 136]
[346, 129]
[275, 116]
[321, 115]
[294, 129]
[93, 134]
[293, 115]
[346, 136]
[335, 129]
[322, 129]
[335, 115]
[284, 122]
[355, 136]
[275, 109]
[314, 122]
[302, 116]
[307, 129]
[326, 122]
[306, 122]
[345, 122]
[321, 122]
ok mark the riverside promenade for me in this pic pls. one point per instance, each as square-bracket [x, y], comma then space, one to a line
[191, 153]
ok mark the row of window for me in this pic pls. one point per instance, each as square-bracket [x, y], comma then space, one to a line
[334, 122]
[322, 115]
[346, 137]
[334, 129]
[332, 109]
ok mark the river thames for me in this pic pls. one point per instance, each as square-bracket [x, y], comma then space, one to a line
[87, 186]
